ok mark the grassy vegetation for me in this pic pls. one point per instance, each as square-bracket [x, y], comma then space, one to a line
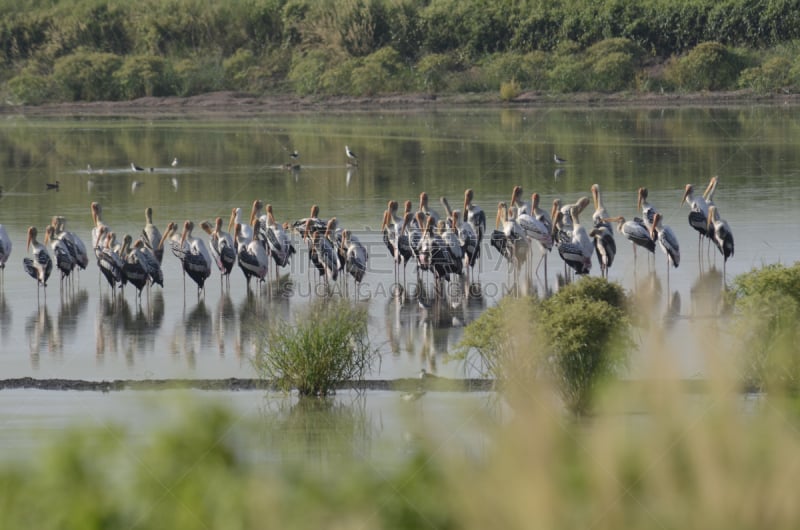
[73, 50]
[767, 304]
[324, 346]
[573, 340]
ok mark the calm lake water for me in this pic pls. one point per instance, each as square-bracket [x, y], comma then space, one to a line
[227, 163]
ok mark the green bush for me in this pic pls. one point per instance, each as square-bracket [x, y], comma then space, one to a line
[510, 90]
[569, 74]
[575, 339]
[326, 345]
[612, 72]
[29, 89]
[87, 76]
[382, 71]
[195, 75]
[305, 74]
[709, 66]
[143, 75]
[433, 70]
[771, 76]
[587, 336]
[767, 304]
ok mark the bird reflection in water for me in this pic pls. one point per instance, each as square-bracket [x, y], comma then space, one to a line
[707, 293]
[73, 304]
[252, 317]
[419, 322]
[673, 312]
[224, 317]
[40, 332]
[5, 318]
[118, 329]
[194, 334]
[646, 297]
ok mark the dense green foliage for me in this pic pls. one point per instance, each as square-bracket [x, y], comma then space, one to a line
[767, 304]
[574, 339]
[86, 50]
[325, 345]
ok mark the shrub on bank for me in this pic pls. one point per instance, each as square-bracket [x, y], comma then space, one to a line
[709, 66]
[87, 76]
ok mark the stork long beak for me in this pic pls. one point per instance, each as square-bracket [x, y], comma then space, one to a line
[640, 199]
[30, 238]
[596, 196]
[232, 221]
[686, 193]
[385, 222]
[184, 234]
[497, 218]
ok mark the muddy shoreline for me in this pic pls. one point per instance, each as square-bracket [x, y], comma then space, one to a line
[235, 104]
[438, 384]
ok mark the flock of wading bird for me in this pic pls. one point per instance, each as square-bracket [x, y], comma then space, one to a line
[445, 246]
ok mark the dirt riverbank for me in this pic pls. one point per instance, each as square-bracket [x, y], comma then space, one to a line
[233, 103]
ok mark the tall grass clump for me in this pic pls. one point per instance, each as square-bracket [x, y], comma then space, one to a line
[574, 341]
[324, 346]
[767, 309]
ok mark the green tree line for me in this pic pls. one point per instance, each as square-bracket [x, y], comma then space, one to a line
[77, 50]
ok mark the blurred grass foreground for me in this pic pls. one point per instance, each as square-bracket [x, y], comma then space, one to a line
[653, 455]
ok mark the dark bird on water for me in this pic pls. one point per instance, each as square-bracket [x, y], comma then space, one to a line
[53, 185]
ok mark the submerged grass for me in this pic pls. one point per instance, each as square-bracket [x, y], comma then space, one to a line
[324, 346]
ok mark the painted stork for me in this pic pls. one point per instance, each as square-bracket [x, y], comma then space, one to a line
[39, 265]
[246, 230]
[221, 247]
[468, 240]
[74, 243]
[252, 256]
[648, 210]
[517, 202]
[605, 246]
[721, 234]
[5, 250]
[97, 221]
[325, 253]
[509, 238]
[474, 215]
[698, 214]
[667, 240]
[356, 257]
[569, 251]
[636, 232]
[108, 261]
[134, 268]
[278, 241]
[65, 262]
[425, 209]
[194, 256]
[151, 235]
[149, 261]
[600, 212]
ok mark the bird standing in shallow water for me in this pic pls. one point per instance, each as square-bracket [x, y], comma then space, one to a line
[39, 265]
[558, 160]
[353, 159]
